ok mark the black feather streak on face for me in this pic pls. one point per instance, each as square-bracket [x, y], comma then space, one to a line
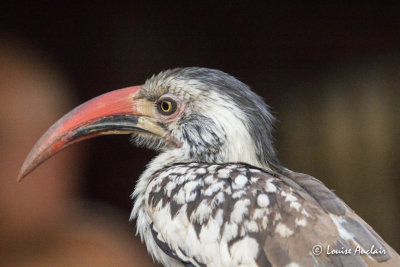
[197, 131]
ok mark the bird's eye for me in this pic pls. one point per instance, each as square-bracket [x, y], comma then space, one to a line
[166, 106]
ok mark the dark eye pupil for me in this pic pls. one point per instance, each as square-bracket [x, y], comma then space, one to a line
[165, 106]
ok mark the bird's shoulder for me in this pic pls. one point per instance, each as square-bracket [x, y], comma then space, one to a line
[285, 213]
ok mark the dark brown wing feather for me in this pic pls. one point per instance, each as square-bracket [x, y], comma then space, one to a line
[363, 235]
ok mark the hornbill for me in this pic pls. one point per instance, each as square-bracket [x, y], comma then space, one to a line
[216, 194]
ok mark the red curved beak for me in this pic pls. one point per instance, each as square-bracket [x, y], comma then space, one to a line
[117, 112]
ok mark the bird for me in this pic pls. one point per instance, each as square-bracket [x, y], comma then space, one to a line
[216, 194]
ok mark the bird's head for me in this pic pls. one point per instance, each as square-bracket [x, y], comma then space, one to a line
[200, 114]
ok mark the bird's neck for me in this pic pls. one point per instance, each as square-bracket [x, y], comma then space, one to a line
[181, 155]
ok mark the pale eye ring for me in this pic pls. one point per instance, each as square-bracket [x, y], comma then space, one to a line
[166, 106]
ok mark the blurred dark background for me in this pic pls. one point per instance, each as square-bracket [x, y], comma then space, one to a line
[330, 72]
